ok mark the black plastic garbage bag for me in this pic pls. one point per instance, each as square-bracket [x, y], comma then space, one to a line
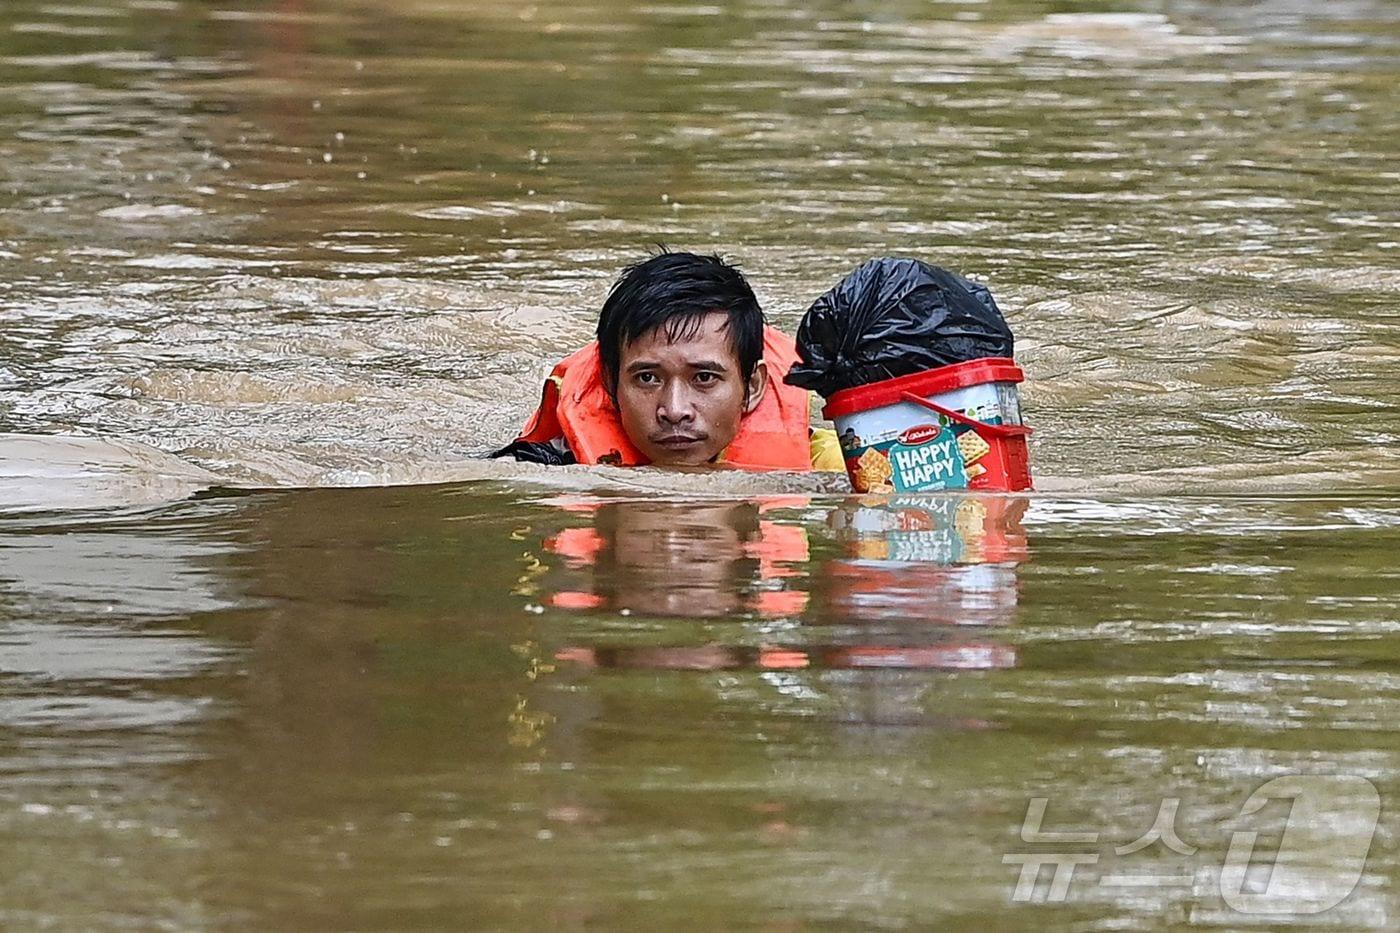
[891, 317]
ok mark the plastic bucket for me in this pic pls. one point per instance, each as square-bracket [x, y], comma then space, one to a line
[955, 427]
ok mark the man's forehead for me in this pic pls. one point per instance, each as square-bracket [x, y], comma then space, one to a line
[703, 339]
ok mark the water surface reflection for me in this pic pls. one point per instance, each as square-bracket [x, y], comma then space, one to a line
[406, 706]
[707, 560]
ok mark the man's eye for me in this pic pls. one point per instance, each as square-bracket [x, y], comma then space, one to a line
[648, 379]
[706, 379]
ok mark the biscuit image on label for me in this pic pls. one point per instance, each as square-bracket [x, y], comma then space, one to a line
[873, 471]
[973, 447]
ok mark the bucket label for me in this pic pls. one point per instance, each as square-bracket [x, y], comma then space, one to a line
[924, 458]
[928, 464]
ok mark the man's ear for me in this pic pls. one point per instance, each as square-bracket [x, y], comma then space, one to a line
[758, 384]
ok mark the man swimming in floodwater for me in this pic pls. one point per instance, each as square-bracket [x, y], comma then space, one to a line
[684, 373]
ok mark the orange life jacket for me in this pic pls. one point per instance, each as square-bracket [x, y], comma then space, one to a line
[576, 405]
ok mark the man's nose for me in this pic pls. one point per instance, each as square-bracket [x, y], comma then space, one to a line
[674, 406]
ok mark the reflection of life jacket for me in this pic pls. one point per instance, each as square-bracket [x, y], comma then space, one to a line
[577, 406]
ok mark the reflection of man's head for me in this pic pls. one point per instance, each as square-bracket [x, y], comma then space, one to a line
[676, 558]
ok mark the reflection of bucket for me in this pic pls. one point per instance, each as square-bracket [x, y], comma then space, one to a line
[948, 560]
[955, 427]
[943, 530]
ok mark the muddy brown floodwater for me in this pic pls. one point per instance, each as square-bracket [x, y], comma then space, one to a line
[278, 651]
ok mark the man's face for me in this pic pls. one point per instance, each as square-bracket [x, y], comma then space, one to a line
[681, 402]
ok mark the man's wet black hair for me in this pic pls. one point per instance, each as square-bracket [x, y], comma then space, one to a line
[674, 291]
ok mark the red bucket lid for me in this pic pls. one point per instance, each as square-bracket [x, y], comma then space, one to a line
[929, 382]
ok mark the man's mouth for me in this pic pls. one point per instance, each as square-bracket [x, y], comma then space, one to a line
[677, 441]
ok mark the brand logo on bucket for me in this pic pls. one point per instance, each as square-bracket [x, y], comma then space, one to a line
[919, 434]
